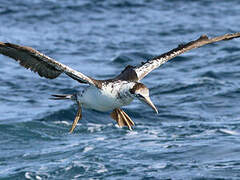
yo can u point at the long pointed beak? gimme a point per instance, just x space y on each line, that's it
148 101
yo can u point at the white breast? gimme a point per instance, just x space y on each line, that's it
111 96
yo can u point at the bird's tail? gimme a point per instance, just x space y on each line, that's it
63 96
74 98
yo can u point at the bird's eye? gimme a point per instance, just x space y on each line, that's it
139 95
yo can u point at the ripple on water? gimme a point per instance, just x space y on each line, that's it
195 134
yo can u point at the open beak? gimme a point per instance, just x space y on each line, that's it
148 101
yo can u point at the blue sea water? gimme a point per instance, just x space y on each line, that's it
196 133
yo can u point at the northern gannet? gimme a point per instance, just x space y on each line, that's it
103 95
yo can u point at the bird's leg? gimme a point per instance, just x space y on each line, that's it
77 118
122 118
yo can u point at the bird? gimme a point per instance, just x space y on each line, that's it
108 95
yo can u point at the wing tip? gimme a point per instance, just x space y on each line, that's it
3 44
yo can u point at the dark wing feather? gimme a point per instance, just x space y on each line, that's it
42 64
128 74
154 63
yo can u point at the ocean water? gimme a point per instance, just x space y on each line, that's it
196 133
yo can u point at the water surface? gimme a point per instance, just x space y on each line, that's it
194 136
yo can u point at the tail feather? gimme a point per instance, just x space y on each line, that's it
63 96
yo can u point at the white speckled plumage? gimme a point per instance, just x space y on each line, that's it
112 95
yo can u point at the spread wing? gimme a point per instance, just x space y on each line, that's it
42 64
148 66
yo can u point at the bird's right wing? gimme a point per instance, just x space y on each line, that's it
142 70
42 64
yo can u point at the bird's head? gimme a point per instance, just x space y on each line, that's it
141 92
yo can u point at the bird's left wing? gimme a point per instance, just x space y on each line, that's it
42 64
142 70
